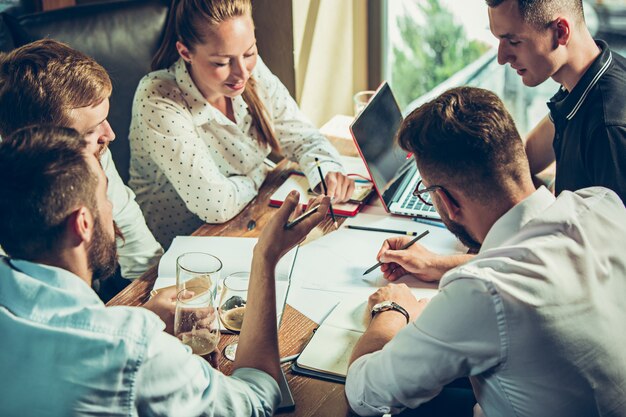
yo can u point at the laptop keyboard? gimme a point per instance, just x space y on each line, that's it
414 203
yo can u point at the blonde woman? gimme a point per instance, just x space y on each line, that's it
206 118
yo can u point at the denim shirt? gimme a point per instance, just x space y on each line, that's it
64 353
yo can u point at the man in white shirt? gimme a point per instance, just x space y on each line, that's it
47 82
64 353
536 318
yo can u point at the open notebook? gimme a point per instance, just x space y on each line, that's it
236 256
328 352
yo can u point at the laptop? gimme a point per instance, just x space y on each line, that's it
394 175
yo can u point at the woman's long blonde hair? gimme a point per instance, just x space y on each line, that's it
187 23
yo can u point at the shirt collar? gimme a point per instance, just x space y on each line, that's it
514 219
201 111
61 286
566 104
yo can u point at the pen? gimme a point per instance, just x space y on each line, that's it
376 229
332 213
402 248
301 217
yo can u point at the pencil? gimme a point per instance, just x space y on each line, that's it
376 229
301 217
332 213
402 248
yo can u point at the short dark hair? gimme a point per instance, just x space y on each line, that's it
41 82
45 177
539 13
467 139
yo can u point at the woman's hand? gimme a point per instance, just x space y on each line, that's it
340 187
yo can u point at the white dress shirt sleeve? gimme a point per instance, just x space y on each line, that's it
170 139
456 335
299 139
174 382
139 250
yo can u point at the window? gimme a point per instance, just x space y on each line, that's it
434 45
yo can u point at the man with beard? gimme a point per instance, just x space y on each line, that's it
47 82
64 353
535 319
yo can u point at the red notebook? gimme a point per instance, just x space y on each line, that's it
299 182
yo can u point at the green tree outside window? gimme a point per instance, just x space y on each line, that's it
430 52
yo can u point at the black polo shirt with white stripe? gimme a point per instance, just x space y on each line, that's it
590 124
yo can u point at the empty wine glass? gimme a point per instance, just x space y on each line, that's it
195 320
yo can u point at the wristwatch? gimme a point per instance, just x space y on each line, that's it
389 305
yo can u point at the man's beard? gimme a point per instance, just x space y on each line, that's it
102 255
461 232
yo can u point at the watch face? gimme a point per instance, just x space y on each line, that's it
385 305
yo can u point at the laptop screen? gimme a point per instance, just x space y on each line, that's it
374 130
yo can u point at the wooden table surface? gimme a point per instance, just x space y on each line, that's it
313 397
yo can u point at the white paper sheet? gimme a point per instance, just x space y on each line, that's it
336 262
439 240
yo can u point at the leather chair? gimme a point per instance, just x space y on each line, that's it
122 36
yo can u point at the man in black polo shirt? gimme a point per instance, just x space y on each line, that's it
586 129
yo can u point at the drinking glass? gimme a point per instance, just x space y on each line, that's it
195 320
233 306
198 269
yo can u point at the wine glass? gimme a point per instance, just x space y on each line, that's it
233 306
195 320
198 269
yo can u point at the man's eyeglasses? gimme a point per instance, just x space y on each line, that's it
420 190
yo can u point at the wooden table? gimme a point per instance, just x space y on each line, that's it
313 397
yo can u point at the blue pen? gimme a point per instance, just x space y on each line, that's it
429 222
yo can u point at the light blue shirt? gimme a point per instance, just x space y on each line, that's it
64 353
536 319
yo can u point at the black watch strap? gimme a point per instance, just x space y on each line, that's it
393 306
